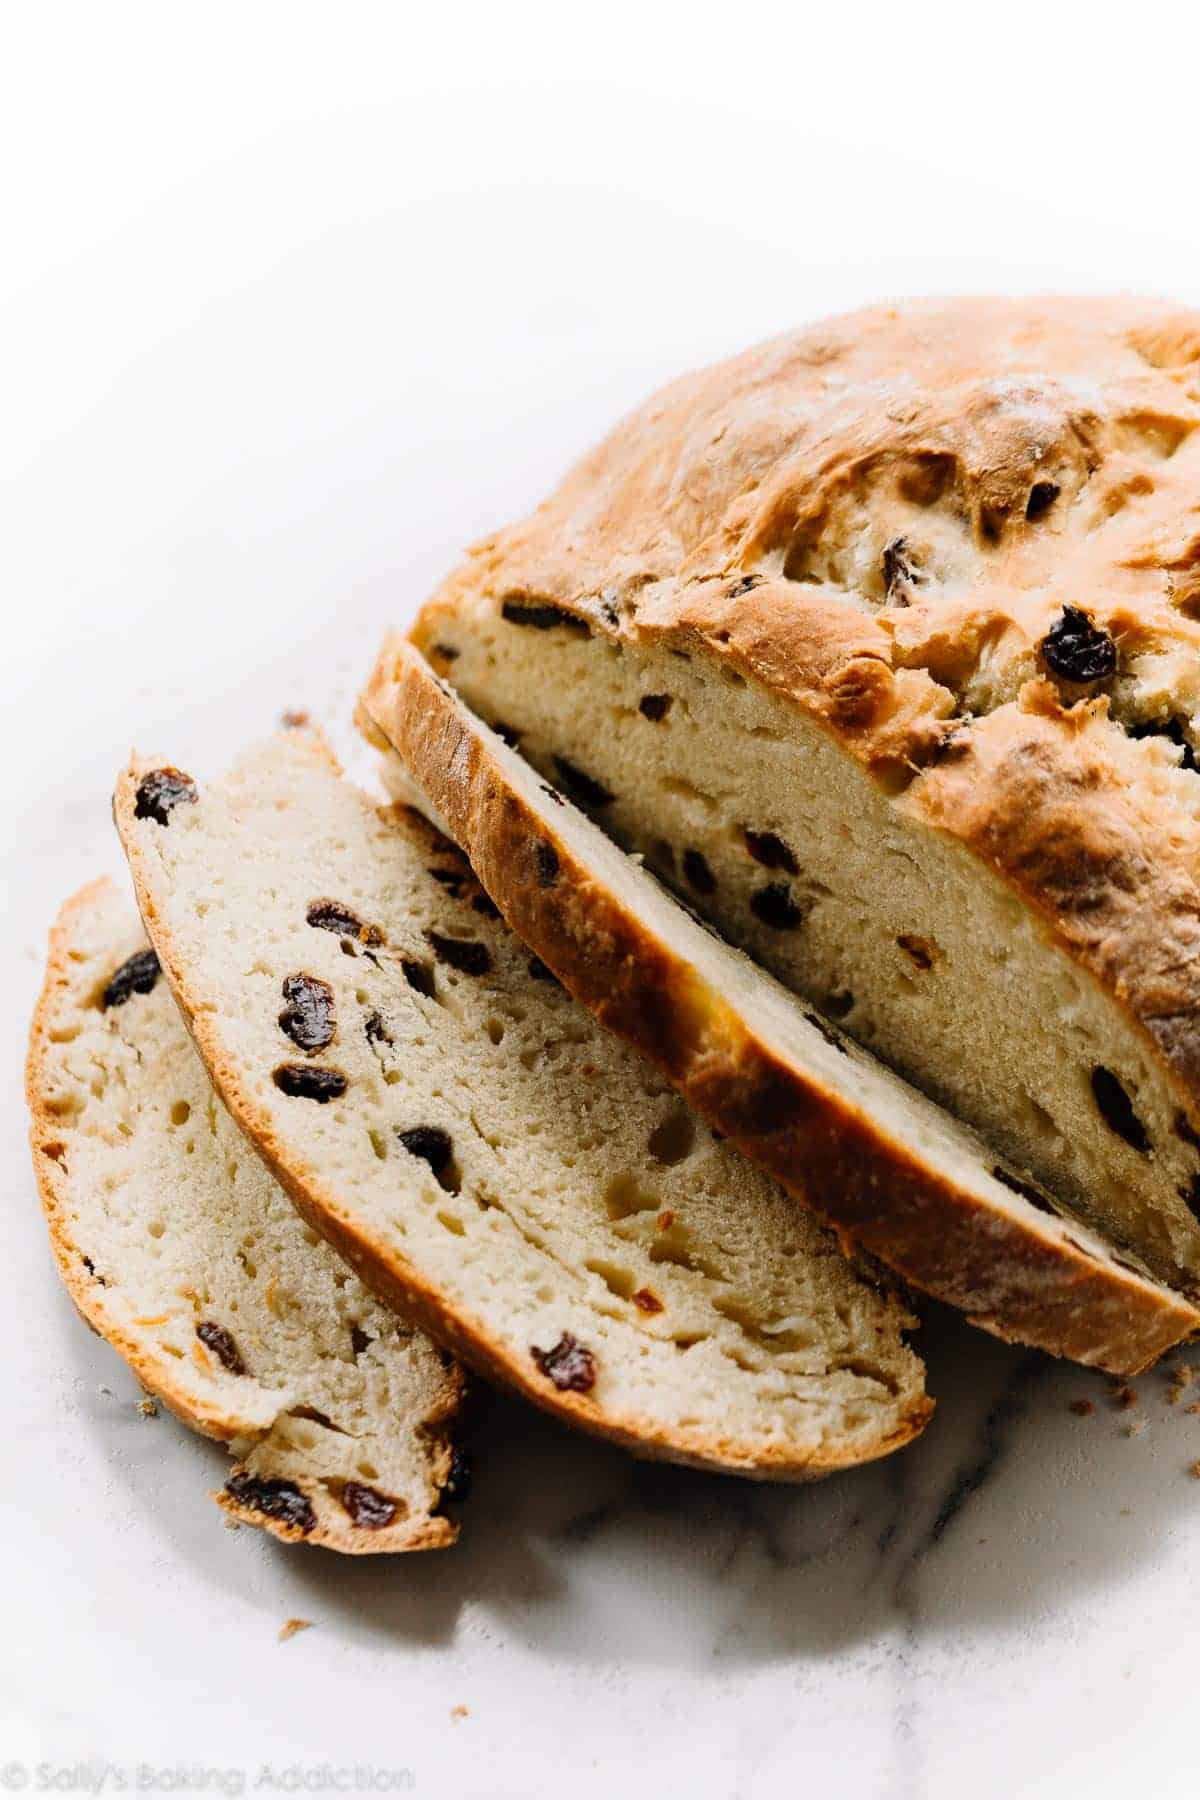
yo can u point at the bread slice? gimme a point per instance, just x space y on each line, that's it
882 643
176 1246
481 1151
846 1135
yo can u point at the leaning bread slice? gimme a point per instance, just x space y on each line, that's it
176 1246
847 1136
481 1150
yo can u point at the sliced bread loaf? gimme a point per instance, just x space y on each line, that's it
849 1137
176 1246
881 642
481 1150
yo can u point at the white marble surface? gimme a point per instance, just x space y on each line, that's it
292 304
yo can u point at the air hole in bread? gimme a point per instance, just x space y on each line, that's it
1026 1189
919 951
495 1029
654 706
674 1139
378 1143
769 850
624 1196
776 906
156 1228
452 1223
1116 1109
1042 496
697 873
618 1280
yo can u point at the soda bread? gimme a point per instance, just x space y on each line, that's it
882 643
176 1246
481 1151
849 1137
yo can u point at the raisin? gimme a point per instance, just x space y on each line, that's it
457 1484
743 585
769 850
547 864
220 1342
543 617
304 1081
569 1365
368 1508
308 1018
419 978
280 1500
447 652
360 1340
1077 650
331 915
1026 1189
136 976
647 1302
539 971
160 792
1042 496
654 706
1173 731
508 734
583 788
827 1032
461 953
775 907
375 1029
431 1144
1116 1109
697 873
900 571
484 906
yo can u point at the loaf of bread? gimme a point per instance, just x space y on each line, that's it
846 1135
882 644
482 1151
176 1246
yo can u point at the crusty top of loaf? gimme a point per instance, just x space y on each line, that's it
882 518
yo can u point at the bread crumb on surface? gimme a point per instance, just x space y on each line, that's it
1124 1397
1193 1408
460 1712
1195 1470
1135 1428
1081 1408
148 1408
1181 1380
290 1627
295 718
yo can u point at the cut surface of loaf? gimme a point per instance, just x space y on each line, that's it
479 1148
848 1136
178 1247
882 644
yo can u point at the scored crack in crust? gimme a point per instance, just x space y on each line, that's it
485 1154
915 595
848 1137
177 1247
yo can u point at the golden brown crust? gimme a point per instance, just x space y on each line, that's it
158 1374
1025 456
381 1265
1020 1280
